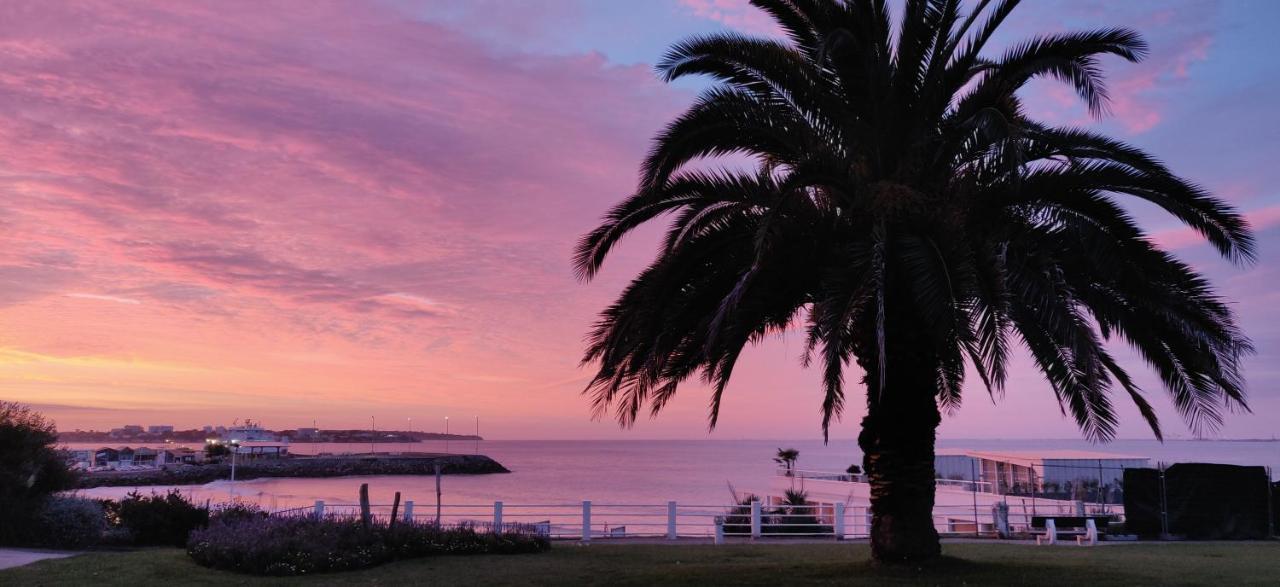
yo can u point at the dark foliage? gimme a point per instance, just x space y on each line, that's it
301 545
789 518
31 470
65 522
229 513
158 519
30 466
216 450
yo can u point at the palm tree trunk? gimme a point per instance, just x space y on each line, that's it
897 442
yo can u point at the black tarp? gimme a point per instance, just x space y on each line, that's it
1142 502
1204 501
1275 508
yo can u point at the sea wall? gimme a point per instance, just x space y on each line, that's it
335 466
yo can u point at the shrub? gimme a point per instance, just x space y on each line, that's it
68 522
796 516
236 511
160 520
738 520
299 545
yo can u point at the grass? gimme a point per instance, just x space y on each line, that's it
617 565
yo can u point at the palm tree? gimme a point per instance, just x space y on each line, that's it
787 458
908 213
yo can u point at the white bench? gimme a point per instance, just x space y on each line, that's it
1050 536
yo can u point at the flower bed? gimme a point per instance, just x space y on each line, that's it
300 545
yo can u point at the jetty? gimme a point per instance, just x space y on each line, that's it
298 466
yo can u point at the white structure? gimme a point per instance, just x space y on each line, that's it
249 432
1006 470
260 448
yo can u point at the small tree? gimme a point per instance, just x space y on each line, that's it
787 458
30 466
215 450
30 470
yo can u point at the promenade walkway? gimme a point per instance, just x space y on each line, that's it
16 557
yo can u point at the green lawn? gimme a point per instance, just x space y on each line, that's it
985 564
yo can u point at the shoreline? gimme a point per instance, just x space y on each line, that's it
297 467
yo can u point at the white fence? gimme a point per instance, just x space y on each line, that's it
586 520
979 486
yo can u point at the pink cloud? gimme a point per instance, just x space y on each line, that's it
735 14
344 181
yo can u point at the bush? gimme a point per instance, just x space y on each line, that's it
68 522
298 545
235 512
160 520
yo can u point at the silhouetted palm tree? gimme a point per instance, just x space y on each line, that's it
908 210
787 458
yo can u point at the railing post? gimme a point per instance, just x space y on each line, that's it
1000 519
719 530
497 517
671 520
838 526
755 518
586 520
408 510
319 512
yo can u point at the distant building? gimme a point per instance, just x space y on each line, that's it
145 457
308 432
125 431
1007 471
261 449
105 456
159 429
180 456
249 432
208 429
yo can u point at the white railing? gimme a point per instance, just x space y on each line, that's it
587 520
812 475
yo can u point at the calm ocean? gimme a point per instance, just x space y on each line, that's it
644 471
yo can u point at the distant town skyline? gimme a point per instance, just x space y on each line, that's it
366 209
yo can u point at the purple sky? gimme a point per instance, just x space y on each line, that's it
329 210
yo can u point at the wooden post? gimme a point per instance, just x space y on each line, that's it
437 494
319 511
408 511
497 517
395 510
837 526
586 520
365 515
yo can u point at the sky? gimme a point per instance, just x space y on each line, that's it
327 211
